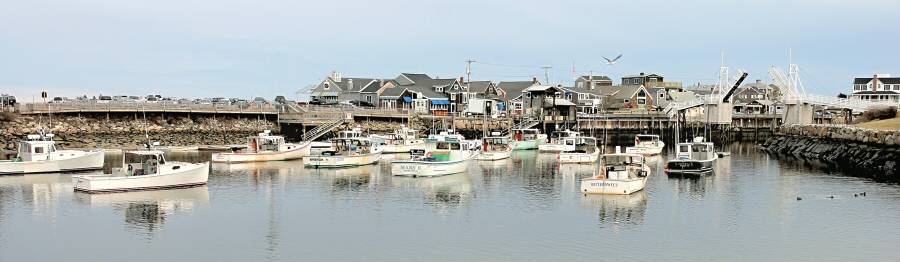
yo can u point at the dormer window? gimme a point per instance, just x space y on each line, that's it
439 89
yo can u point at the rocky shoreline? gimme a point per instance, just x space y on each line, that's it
127 132
855 151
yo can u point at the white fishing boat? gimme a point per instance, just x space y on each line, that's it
620 174
317 147
585 152
558 143
401 141
495 148
144 170
697 157
355 132
265 147
447 135
38 154
346 152
648 145
528 138
447 157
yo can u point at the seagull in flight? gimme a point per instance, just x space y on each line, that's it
612 61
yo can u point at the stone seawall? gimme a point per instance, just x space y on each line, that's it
855 151
124 131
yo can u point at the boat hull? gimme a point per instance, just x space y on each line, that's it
66 161
341 161
612 187
493 155
394 149
296 153
428 169
188 174
527 144
641 150
689 167
578 158
554 148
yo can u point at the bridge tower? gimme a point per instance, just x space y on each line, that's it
797 109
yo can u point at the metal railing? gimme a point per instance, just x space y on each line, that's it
322 129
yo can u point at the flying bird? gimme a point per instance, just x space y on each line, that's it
612 61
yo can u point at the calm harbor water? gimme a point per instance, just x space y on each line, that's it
525 208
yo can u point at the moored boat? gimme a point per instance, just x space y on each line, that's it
144 170
528 138
585 151
447 157
693 158
557 142
648 145
38 154
346 152
495 148
620 174
447 135
401 141
264 147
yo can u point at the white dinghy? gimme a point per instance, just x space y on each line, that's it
144 170
620 174
265 147
38 154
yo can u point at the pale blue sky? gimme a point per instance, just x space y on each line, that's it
243 48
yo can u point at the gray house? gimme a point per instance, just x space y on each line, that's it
336 88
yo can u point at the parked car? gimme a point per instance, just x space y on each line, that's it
280 100
361 104
104 99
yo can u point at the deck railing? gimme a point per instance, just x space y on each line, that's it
94 106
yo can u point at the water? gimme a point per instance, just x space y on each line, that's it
525 208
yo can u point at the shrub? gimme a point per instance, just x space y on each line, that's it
877 114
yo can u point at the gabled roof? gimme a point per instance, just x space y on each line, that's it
427 91
358 83
478 86
617 92
890 80
393 92
646 75
515 88
861 80
414 78
372 88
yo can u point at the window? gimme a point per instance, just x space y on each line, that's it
662 95
39 150
896 87
627 100
642 101
369 99
580 85
569 96
439 89
327 86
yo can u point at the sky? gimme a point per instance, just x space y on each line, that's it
249 48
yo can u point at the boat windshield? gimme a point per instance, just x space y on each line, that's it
622 160
643 138
447 146
142 164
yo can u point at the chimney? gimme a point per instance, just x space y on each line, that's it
335 76
875 82
534 80
349 84
462 80
759 81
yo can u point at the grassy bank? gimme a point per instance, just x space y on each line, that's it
886 124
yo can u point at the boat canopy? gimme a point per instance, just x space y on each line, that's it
647 138
622 159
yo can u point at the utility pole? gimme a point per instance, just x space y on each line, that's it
468 74
546 74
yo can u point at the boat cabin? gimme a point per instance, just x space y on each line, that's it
582 144
265 142
697 150
352 133
645 138
36 148
407 133
140 163
525 134
623 166
564 133
350 147
495 143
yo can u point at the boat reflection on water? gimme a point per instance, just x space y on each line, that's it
618 210
443 192
494 168
350 179
271 167
147 211
571 175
